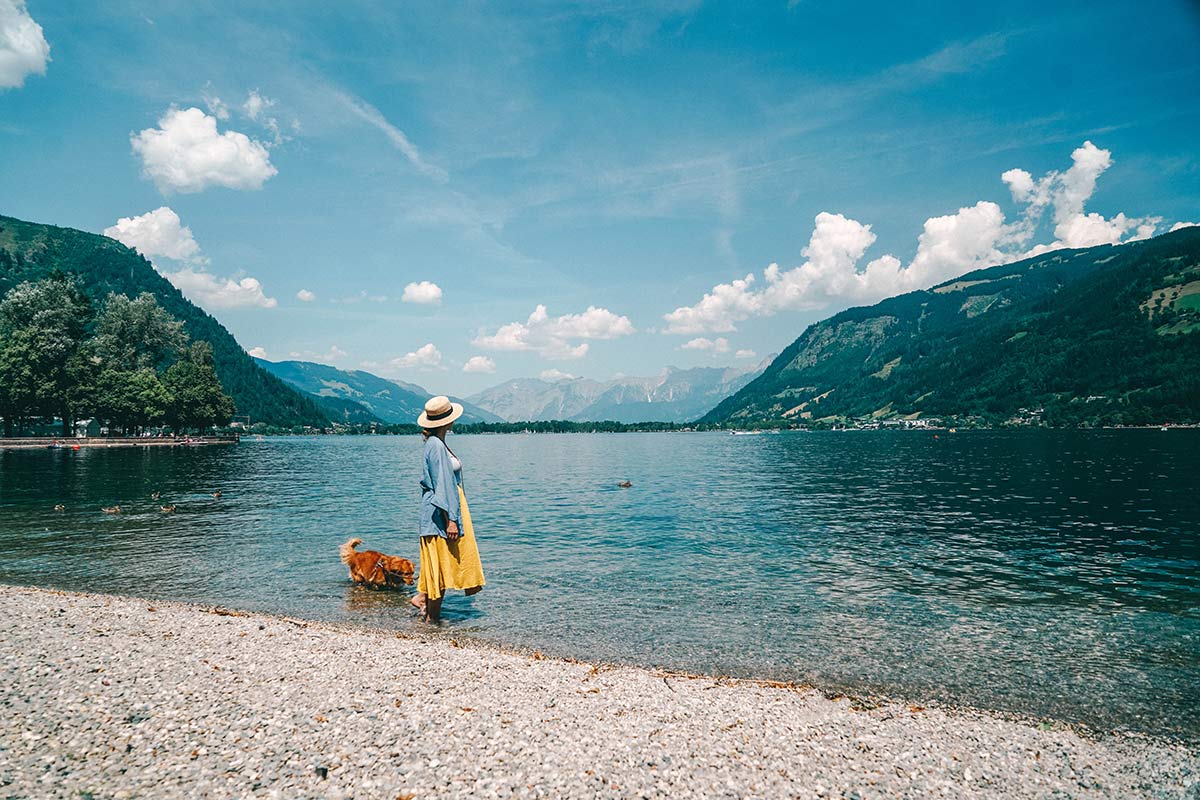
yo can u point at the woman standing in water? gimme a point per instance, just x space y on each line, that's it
449 557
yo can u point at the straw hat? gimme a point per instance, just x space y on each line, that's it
439 412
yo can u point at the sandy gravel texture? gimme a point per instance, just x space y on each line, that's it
107 697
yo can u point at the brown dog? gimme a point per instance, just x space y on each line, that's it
374 569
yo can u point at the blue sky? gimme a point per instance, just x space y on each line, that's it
591 188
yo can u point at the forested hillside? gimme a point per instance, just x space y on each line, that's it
29 252
1104 335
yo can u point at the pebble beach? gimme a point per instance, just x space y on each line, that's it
113 697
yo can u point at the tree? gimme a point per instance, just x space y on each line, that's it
44 367
197 397
131 398
134 340
137 334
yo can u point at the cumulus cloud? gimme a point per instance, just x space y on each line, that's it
1065 194
1178 226
424 357
553 375
185 153
160 234
745 354
974 236
157 233
424 293
304 295
210 291
258 352
479 364
719 345
23 48
556 337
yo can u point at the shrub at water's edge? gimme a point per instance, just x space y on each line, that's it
102 266
1101 336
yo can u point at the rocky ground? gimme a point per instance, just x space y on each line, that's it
106 697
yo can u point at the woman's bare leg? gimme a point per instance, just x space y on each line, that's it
418 602
433 611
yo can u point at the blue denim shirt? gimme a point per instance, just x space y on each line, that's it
439 490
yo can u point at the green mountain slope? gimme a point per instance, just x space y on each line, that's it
1104 335
29 251
390 401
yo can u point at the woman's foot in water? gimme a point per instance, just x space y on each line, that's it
418 602
433 611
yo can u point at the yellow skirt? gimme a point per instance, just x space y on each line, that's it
450 565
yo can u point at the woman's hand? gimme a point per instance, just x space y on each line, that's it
451 531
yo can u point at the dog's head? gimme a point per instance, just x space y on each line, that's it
398 567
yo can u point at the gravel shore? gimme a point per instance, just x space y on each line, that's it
108 697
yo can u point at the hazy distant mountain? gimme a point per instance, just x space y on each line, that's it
390 401
1099 336
673 395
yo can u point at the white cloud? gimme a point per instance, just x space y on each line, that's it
23 48
424 357
211 292
362 295
479 364
554 337
719 345
1178 226
185 153
256 108
256 104
556 375
424 293
157 233
216 106
305 295
717 310
745 354
258 352
973 237
1067 193
161 234
397 137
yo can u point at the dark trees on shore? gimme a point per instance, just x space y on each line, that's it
132 365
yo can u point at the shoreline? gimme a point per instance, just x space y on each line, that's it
122 697
64 443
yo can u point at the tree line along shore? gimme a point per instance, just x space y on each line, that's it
128 364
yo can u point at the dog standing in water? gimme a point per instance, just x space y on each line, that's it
374 569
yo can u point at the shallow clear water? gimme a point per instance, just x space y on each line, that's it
1042 572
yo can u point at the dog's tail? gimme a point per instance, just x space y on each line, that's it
346 550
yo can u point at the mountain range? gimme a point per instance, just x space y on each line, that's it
1102 335
1096 336
358 396
673 395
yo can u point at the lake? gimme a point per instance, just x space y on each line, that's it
1043 572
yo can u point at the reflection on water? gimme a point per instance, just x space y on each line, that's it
1046 572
